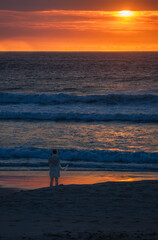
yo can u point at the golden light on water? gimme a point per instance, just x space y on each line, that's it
126 180
33 180
126 13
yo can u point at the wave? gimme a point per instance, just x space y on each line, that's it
24 166
80 117
109 99
39 156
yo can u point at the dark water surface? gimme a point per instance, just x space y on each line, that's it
98 109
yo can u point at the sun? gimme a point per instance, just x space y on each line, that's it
125 13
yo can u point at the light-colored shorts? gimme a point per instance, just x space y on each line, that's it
54 172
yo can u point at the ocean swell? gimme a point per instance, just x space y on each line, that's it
80 117
109 99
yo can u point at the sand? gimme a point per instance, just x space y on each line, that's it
111 210
6 191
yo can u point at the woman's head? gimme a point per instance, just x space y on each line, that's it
54 151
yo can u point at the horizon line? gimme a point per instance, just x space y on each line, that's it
84 51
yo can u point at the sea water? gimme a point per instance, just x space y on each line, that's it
98 109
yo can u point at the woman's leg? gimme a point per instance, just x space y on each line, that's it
56 181
51 181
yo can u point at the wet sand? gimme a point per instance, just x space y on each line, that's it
40 179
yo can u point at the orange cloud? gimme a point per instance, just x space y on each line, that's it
78 31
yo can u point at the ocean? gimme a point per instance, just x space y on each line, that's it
99 109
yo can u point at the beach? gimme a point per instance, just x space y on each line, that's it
109 210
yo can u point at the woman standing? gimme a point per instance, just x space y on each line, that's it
55 167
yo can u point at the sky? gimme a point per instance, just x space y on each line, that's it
78 25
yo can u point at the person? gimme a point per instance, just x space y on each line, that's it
55 167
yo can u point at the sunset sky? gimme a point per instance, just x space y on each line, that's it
79 25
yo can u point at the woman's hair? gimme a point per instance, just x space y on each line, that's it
54 151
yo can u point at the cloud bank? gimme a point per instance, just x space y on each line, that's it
84 5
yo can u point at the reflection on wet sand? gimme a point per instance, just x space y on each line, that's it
33 180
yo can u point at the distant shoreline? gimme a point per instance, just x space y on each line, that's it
78 51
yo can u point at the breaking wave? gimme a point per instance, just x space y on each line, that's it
75 155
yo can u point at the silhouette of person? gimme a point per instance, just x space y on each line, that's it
55 167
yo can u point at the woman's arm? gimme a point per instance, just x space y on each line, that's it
63 168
